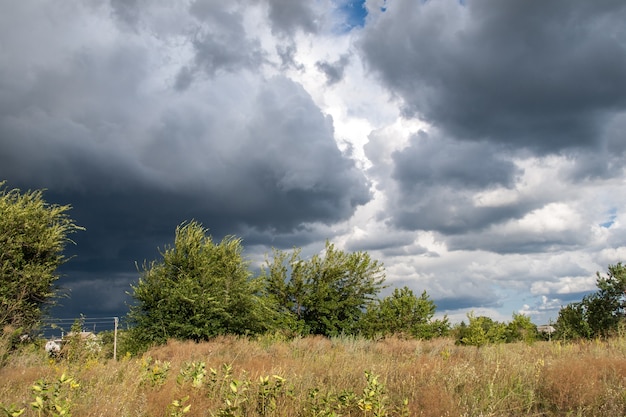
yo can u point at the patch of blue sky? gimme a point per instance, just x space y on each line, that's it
612 214
354 13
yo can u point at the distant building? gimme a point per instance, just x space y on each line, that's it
81 335
54 347
546 328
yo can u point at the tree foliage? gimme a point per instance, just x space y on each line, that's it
598 314
480 331
33 236
483 330
403 313
521 328
197 290
571 323
326 294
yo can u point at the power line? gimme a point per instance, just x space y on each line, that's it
52 326
61 324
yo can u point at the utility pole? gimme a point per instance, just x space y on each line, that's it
550 330
115 321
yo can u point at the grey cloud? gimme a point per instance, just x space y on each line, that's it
413 250
333 70
387 240
453 289
220 42
126 11
462 293
543 76
599 165
437 179
279 170
616 135
73 119
287 54
287 16
300 236
237 152
606 160
437 161
468 301
184 78
519 242
568 298
448 211
96 297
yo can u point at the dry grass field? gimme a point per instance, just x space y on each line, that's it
317 376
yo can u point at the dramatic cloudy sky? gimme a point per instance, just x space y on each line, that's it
475 147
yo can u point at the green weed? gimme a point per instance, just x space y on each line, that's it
193 372
53 399
177 408
154 371
11 410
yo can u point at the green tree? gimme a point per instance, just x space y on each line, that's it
326 294
403 313
33 236
598 314
520 328
605 308
571 323
199 289
480 331
284 291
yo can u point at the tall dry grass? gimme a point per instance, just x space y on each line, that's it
316 376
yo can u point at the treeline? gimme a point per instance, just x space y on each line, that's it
600 314
199 289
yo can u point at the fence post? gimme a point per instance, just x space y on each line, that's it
115 320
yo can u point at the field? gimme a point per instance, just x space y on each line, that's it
317 376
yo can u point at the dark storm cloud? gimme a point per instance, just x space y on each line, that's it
279 169
97 296
437 179
134 157
430 161
495 81
538 75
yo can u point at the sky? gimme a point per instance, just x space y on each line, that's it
476 148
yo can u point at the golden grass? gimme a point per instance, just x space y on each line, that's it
324 376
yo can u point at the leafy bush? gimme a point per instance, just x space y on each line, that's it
33 235
199 289
599 314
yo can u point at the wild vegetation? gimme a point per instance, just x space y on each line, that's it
599 314
33 236
304 337
322 376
